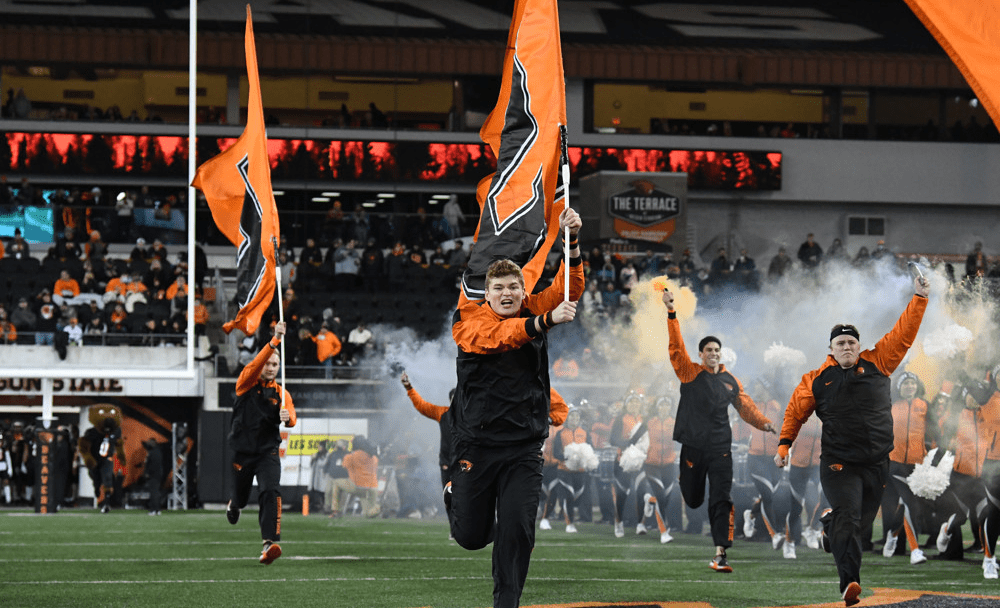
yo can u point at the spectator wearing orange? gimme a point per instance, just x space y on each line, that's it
2 250
66 288
327 347
565 367
362 478
8 333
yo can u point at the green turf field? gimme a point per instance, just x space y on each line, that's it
196 559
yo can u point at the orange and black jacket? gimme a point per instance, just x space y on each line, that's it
256 412
703 412
854 404
503 391
440 414
909 420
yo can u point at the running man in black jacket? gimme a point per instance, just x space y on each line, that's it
850 394
255 438
500 414
702 428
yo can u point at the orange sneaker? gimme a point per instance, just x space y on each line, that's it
851 594
271 552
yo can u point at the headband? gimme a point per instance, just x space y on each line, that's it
844 331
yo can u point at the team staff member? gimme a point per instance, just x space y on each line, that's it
500 414
850 394
702 428
255 437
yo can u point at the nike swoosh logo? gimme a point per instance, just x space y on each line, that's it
828 383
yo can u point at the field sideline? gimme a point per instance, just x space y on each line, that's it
81 558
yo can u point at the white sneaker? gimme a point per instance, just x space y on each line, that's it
648 509
776 540
748 524
812 537
890 545
544 524
917 557
665 537
640 528
619 529
570 529
990 567
943 537
788 551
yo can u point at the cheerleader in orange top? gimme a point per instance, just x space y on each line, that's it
909 420
803 468
574 479
658 478
991 478
765 476
628 433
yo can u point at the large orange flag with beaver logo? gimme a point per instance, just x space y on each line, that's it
237 186
969 31
519 219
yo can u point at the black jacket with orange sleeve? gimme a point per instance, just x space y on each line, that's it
854 404
703 412
503 391
255 423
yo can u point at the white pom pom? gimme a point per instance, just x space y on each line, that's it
779 356
580 457
947 341
632 459
928 481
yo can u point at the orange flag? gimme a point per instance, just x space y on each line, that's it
237 186
969 31
518 215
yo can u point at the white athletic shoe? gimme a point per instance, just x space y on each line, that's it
544 524
917 557
619 529
640 528
648 509
776 540
990 567
890 544
812 537
788 551
570 529
943 537
748 524
665 537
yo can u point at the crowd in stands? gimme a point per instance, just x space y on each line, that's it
79 295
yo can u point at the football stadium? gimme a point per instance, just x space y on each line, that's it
405 304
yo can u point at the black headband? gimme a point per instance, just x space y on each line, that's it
844 330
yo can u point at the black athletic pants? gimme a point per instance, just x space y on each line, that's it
267 468
696 465
495 492
855 493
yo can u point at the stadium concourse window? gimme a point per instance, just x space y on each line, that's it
668 109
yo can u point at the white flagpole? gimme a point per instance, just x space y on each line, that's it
281 315
192 169
564 161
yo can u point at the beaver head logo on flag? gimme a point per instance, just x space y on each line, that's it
237 186
518 214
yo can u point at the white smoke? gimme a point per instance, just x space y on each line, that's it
946 342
